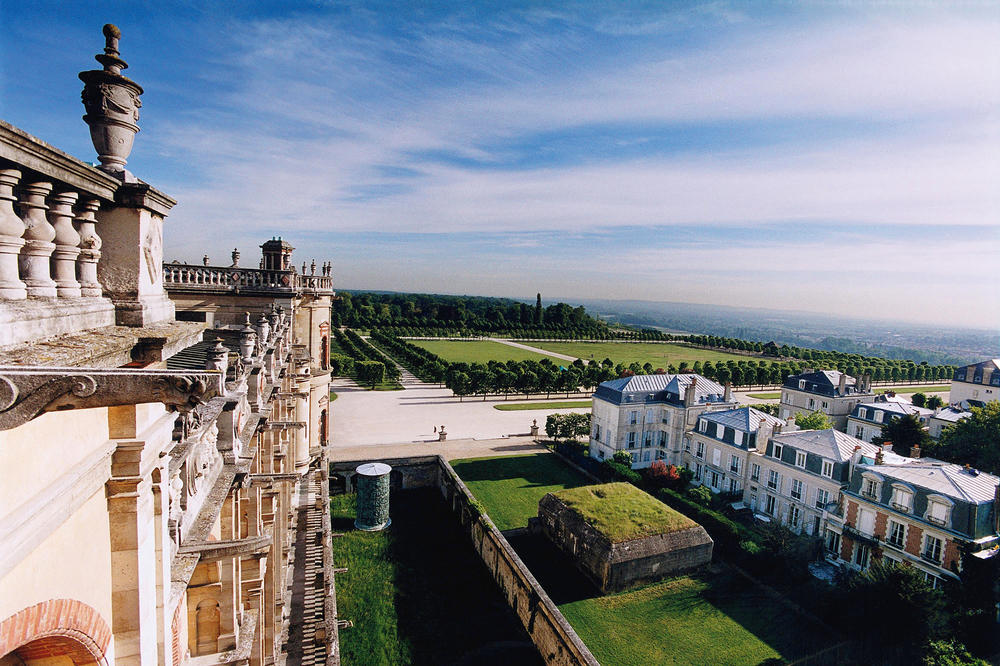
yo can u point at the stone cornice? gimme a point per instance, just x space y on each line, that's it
26 151
143 195
27 392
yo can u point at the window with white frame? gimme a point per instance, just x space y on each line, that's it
703 425
646 455
833 542
825 404
687 444
870 487
734 464
828 469
822 498
716 456
665 417
796 491
932 580
896 534
769 504
631 440
776 452
794 515
802 384
859 432
938 510
738 438
800 459
664 438
633 417
878 415
715 480
862 555
734 486
754 472
812 403
647 438
862 413
866 522
902 498
933 548
700 450
773 479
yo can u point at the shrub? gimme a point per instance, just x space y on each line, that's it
700 494
622 472
623 457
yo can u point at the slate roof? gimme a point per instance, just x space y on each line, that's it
659 388
943 478
824 382
831 444
892 407
967 373
952 415
746 419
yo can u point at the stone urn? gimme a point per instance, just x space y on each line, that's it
112 104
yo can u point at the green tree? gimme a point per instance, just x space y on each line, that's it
973 440
934 402
815 421
622 457
538 310
950 653
903 432
370 372
918 400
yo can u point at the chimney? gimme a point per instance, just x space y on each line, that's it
867 383
842 386
727 396
879 457
856 456
764 431
689 395
914 451
790 425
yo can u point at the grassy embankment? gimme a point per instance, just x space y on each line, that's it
709 618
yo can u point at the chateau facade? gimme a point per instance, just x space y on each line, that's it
161 461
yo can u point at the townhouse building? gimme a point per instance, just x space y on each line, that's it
829 391
867 419
796 479
976 384
718 449
943 418
923 512
648 415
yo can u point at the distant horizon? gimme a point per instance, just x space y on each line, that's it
821 157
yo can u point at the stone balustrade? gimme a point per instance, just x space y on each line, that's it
178 276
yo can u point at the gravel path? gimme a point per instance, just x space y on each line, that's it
537 350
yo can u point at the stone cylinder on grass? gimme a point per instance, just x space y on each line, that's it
373 497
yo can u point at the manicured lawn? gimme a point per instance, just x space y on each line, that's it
417 592
765 396
659 354
509 487
479 351
718 618
937 388
566 404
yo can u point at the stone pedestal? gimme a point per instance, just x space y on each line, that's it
11 230
67 244
131 268
38 245
373 497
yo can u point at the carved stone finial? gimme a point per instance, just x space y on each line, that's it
205 260
112 103
236 257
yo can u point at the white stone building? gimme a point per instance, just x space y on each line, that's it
975 385
648 415
867 419
831 392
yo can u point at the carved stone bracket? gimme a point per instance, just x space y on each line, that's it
26 391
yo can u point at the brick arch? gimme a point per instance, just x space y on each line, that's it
57 627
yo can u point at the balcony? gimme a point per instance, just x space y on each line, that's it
863 537
931 556
189 277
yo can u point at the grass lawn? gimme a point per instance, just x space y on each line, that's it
659 354
479 351
718 618
566 404
765 396
937 388
622 512
418 593
509 487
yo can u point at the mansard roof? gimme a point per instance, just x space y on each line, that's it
892 407
831 444
948 479
745 419
984 372
659 388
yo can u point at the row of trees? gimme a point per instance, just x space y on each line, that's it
361 359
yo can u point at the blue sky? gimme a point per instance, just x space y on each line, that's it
816 156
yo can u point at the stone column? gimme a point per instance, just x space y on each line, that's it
11 230
302 414
90 248
38 245
67 244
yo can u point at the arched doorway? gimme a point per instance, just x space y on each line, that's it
56 632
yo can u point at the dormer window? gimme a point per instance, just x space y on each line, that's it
871 486
703 425
902 498
862 413
802 385
828 469
878 415
938 510
800 459
777 451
